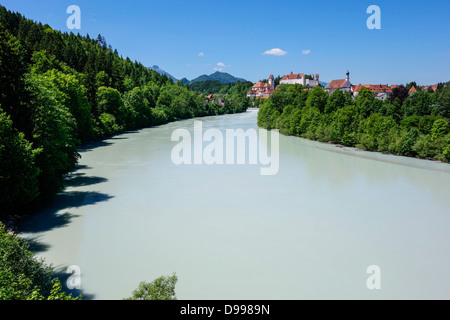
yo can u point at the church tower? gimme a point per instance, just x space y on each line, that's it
271 81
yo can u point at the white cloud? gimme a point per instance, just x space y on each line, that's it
306 51
221 64
275 52
218 69
201 54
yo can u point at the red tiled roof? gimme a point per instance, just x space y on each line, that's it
412 90
433 87
293 76
372 87
271 76
336 84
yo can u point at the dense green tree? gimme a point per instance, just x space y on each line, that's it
317 98
13 96
110 101
400 93
444 101
162 288
18 174
54 133
337 100
137 103
365 102
74 97
22 276
418 103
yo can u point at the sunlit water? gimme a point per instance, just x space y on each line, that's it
128 214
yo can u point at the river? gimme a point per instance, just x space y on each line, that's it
129 214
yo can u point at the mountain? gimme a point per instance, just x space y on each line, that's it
218 76
324 84
161 71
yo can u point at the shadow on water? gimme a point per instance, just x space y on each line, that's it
104 143
63 276
51 217
80 179
94 145
36 245
56 214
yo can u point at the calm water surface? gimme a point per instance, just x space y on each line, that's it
128 214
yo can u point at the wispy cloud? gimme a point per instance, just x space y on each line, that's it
218 69
201 54
221 64
306 51
275 52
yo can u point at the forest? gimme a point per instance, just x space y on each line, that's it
59 91
413 125
218 87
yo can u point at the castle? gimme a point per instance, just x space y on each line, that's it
265 90
310 81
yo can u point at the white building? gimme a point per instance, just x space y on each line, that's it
262 90
301 78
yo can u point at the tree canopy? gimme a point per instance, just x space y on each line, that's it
415 125
61 90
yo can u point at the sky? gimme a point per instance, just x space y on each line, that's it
253 39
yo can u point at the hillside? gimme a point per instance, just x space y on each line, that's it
218 76
162 72
215 86
59 91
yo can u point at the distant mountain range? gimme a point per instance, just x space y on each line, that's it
216 76
161 71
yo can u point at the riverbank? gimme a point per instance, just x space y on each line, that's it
310 231
13 221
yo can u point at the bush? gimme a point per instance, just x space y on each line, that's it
22 276
162 288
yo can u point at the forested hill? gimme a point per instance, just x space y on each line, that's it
214 86
60 90
218 76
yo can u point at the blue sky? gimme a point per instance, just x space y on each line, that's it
412 45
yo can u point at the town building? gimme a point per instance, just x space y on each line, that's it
265 90
412 90
262 90
300 78
433 87
341 84
381 91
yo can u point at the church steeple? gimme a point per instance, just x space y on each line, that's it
271 81
348 75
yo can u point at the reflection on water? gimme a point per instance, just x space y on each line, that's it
128 215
